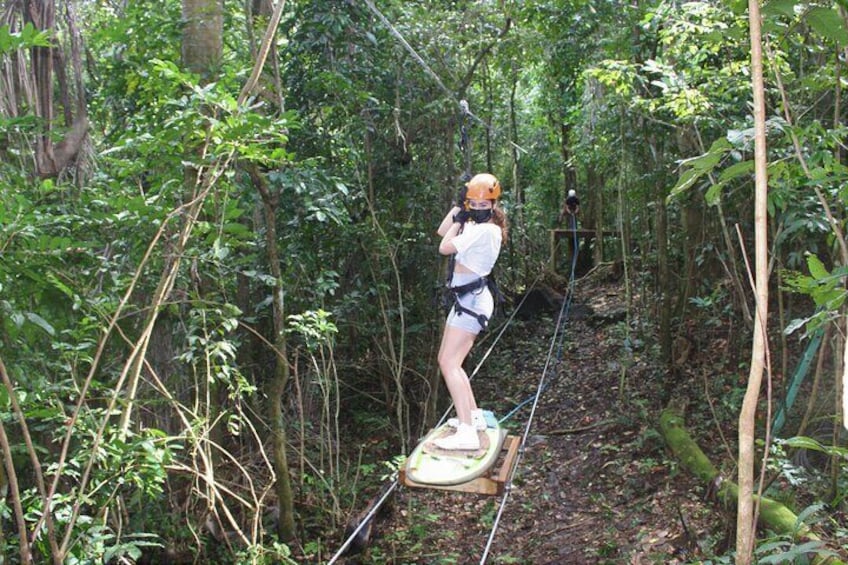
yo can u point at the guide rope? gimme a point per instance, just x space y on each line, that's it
557 339
365 521
564 313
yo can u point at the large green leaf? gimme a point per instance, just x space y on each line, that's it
700 166
829 24
730 173
780 7
817 268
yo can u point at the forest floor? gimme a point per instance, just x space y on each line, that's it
595 482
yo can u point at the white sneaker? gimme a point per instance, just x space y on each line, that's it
465 438
478 420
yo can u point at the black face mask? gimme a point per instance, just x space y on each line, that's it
480 216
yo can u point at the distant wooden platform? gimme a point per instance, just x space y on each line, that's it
493 483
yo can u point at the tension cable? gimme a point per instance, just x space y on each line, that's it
420 60
557 339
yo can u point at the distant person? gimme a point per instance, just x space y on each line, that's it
572 205
472 234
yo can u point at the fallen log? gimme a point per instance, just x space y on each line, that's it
772 515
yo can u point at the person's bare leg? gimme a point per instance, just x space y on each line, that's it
456 344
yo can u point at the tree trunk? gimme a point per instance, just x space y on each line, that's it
203 36
664 283
50 158
692 219
518 191
746 512
276 385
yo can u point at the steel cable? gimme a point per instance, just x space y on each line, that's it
558 333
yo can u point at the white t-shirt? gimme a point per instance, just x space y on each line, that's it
478 247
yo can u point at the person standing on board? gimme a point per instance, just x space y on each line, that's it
472 234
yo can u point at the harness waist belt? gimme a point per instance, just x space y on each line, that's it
464 289
469 287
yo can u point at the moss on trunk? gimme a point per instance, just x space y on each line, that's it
773 515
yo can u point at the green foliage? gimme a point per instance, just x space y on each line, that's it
273 554
314 327
790 551
26 38
123 45
810 443
133 468
826 289
823 21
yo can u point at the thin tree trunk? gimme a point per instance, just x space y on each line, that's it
518 191
276 385
10 479
664 284
264 49
52 158
746 511
692 220
839 403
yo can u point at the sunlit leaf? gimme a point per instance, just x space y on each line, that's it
40 322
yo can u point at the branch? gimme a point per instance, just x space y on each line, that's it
26 553
466 80
263 52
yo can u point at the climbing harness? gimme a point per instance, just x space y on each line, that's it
453 294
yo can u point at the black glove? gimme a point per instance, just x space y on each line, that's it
461 216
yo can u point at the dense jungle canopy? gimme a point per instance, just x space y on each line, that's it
219 277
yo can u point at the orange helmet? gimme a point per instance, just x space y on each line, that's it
483 187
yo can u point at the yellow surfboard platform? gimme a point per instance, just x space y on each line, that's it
431 465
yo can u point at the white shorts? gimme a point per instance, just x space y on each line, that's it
479 301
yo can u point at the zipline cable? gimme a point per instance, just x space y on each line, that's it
462 103
558 334
409 48
567 307
364 522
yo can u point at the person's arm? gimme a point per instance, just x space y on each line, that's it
447 222
447 246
